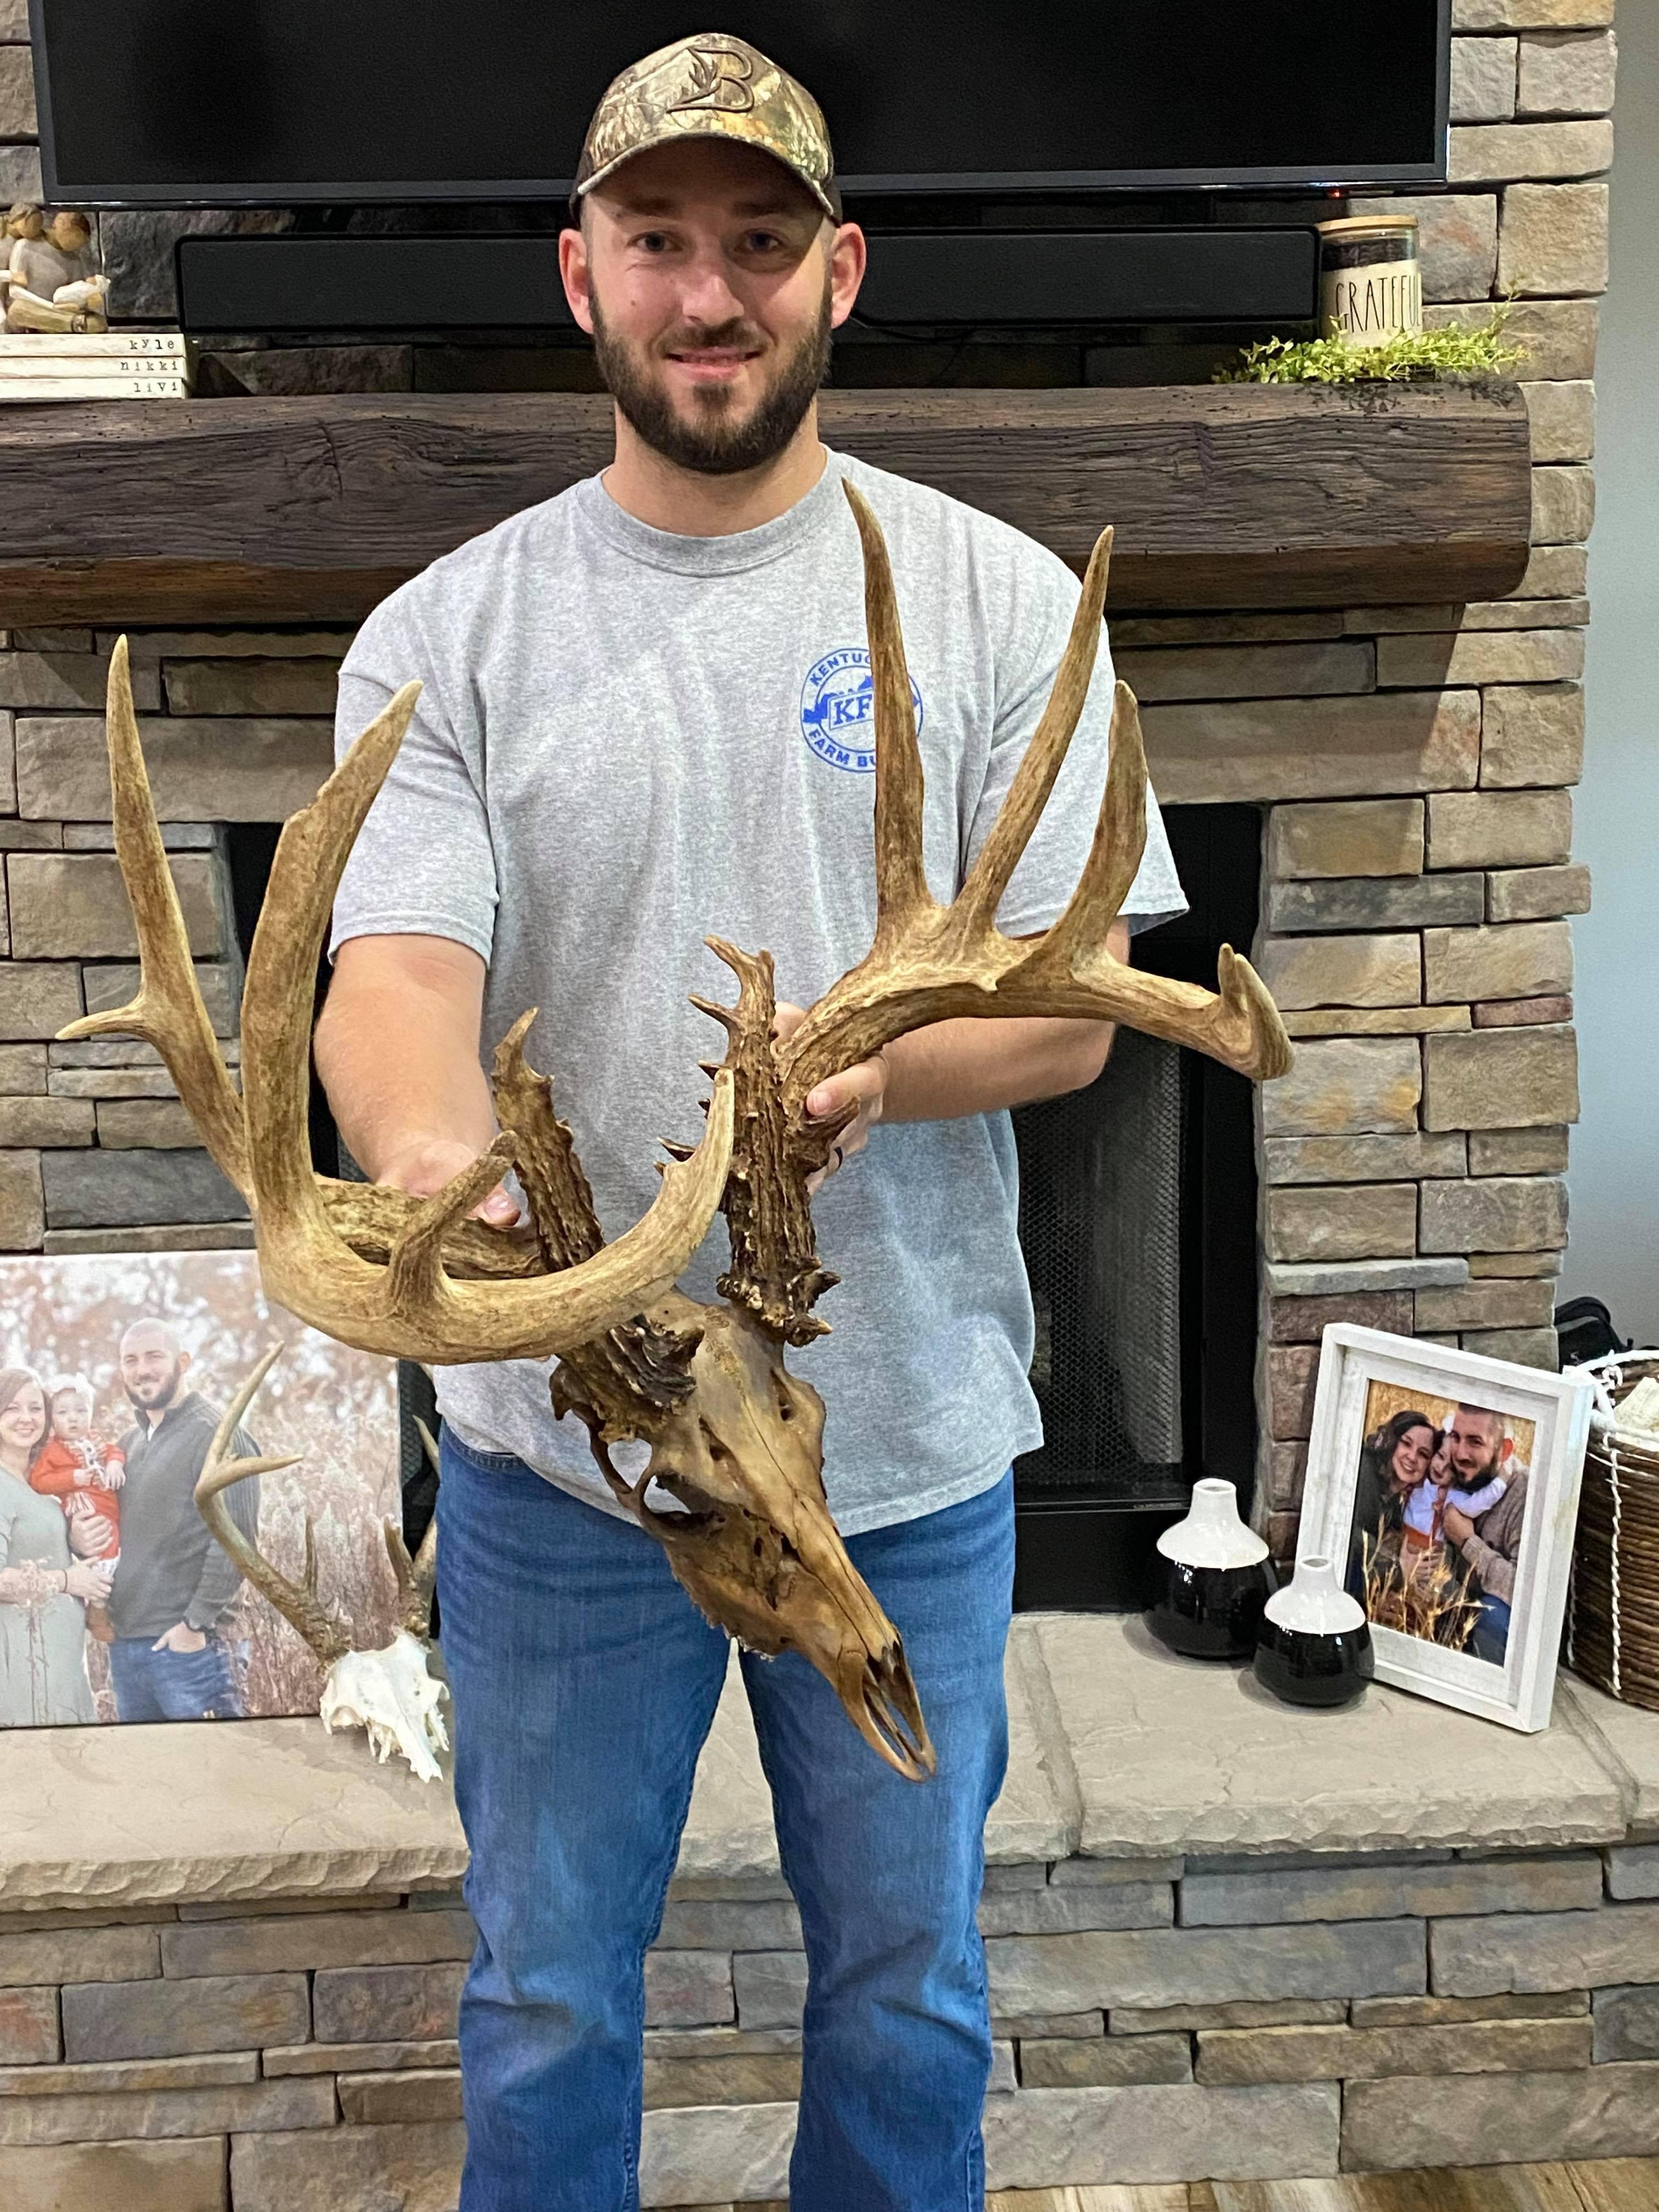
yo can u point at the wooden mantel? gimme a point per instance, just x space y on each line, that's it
296 510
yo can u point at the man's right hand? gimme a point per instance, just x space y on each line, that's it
424 1169
87 1583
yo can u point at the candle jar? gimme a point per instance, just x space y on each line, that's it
1371 286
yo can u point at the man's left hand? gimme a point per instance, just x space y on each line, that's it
181 1637
862 1085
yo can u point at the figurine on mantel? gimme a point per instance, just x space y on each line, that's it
52 281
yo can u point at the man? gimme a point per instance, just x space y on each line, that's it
620 748
174 1585
1490 1544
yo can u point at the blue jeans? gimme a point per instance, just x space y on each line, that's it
585 1682
173 1685
1490 1639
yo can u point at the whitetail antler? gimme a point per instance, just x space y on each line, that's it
408 1303
385 1689
929 962
298 1603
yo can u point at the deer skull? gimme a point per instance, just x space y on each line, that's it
389 1694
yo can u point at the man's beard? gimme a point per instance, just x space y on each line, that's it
719 444
146 1395
1483 1474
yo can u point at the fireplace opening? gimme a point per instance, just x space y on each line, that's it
1137 1218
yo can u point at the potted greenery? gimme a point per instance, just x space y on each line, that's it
1408 355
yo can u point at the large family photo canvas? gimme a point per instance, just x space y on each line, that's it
1445 1486
116 1604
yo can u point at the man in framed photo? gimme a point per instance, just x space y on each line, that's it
174 1587
1488 1544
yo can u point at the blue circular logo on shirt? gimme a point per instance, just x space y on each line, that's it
837 709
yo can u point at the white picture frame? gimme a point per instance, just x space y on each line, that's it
1517 1691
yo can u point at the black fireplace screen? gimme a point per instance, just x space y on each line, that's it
1100 1223
1138 1222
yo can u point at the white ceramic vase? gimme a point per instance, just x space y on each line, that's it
1215 1579
1313 1645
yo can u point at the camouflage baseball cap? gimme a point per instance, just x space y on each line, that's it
711 86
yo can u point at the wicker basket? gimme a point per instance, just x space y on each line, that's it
1613 1621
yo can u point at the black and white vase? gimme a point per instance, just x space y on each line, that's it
1216 1579
1315 1644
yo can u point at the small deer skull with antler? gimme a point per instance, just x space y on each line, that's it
733 1437
383 1689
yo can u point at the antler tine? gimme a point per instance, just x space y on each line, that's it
416 1577
300 1606
429 1445
901 881
167 1012
415 1268
1119 841
411 1308
975 906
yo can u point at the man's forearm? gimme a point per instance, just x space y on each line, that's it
979 1067
387 1060
1497 1573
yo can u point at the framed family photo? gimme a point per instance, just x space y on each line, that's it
116 1602
1445 1487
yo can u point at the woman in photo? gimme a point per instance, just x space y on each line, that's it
43 1589
1393 1460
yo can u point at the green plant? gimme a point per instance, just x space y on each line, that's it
1409 354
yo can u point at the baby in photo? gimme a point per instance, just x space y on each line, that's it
1425 1506
83 1470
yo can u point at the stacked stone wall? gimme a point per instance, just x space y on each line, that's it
1418 872
1155 2020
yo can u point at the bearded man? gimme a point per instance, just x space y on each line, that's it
646 718
174 1585
1489 1545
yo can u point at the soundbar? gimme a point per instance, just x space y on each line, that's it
1060 276
1038 278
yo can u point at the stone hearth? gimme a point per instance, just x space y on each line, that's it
1227 1939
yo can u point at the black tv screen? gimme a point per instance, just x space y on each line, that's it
177 103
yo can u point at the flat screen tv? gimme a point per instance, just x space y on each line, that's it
179 103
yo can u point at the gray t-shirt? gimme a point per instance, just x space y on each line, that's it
631 740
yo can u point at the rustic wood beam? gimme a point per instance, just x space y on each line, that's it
310 510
